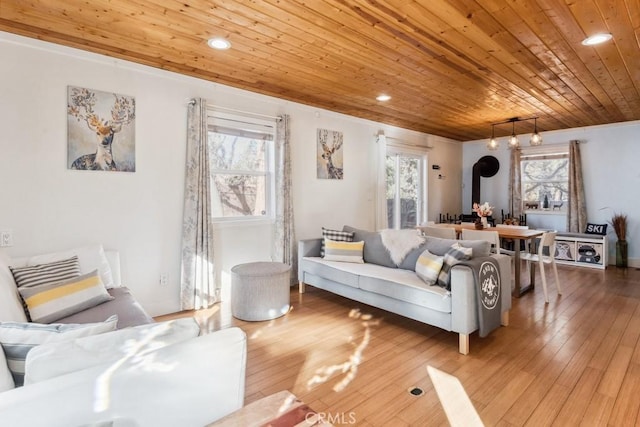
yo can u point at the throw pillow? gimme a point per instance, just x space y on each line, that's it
43 274
17 339
89 257
50 302
600 229
343 251
428 267
335 235
453 256
55 359
374 250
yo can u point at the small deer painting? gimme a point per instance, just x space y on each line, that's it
329 154
94 120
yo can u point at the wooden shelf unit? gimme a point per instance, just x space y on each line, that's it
584 250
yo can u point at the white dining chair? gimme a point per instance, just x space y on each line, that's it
520 227
441 232
489 236
542 257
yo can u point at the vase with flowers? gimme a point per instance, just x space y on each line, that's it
483 210
619 224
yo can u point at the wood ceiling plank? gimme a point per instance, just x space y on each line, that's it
452 66
607 62
448 35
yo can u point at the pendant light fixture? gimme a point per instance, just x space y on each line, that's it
493 143
513 139
536 138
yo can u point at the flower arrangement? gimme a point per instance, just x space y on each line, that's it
483 210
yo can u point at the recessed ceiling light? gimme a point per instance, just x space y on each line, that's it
597 39
219 43
383 98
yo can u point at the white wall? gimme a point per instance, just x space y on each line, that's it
49 207
611 175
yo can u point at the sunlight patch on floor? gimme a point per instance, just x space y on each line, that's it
454 399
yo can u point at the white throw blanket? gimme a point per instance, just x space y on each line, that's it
400 242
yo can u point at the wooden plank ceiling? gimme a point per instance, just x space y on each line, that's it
452 67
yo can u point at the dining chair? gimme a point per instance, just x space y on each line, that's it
510 250
489 236
441 232
542 257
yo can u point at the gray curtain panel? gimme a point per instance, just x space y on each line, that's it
284 242
577 209
515 185
197 281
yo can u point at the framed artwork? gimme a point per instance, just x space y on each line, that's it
329 160
100 130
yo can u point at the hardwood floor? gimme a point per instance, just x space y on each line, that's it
575 361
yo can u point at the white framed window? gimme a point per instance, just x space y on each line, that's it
544 175
241 166
406 187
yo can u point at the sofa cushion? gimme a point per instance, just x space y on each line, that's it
336 236
17 339
89 257
124 305
341 272
454 255
374 250
49 302
46 273
405 286
11 309
343 251
428 267
55 359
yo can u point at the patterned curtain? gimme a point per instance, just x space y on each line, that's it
515 185
197 282
382 219
284 242
577 209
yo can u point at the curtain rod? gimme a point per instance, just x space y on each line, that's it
216 107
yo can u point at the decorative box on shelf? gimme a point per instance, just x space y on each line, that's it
585 250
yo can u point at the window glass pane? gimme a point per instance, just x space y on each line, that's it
545 177
409 187
238 195
232 152
403 190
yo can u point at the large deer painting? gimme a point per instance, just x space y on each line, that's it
101 130
329 154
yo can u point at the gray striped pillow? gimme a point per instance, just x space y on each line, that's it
17 339
45 274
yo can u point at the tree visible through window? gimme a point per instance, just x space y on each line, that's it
545 176
240 172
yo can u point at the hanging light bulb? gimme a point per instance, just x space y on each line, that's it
536 138
513 139
493 143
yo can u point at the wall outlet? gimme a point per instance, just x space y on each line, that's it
6 238
164 279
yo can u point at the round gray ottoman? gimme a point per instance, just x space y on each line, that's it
259 290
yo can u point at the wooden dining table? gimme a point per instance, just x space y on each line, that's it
518 235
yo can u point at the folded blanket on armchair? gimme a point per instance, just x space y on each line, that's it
486 275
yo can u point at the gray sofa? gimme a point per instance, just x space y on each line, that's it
396 288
